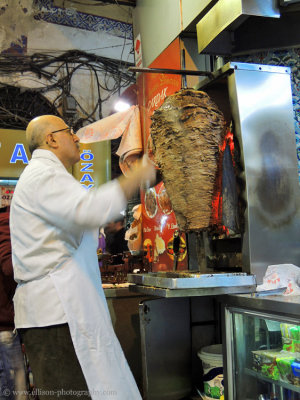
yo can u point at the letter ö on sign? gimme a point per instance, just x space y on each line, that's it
87 155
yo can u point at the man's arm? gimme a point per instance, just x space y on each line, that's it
143 174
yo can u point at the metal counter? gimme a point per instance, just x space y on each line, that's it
119 292
172 284
283 305
171 293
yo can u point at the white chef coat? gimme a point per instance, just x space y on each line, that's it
54 225
50 211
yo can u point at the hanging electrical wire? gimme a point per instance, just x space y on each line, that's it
55 73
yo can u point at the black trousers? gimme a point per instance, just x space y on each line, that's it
54 364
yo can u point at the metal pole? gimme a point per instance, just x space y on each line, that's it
171 71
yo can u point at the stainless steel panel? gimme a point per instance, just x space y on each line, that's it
260 101
261 104
228 361
228 14
171 280
172 293
124 312
289 306
192 8
166 348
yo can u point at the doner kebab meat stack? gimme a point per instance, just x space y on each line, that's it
187 132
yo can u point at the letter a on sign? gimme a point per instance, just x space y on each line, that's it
19 154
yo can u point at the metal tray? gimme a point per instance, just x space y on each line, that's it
187 280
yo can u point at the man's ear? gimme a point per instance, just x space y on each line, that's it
50 141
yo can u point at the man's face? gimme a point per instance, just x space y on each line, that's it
68 143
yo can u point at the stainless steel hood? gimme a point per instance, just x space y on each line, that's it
239 26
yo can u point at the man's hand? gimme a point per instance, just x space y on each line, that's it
142 175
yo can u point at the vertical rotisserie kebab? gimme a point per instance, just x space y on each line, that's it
187 133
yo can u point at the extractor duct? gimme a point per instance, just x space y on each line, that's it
240 26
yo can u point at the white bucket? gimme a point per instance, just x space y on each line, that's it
212 362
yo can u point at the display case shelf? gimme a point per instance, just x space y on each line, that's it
282 384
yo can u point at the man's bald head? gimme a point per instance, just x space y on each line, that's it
39 127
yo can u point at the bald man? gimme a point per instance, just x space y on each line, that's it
60 307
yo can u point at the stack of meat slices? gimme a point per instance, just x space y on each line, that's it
187 133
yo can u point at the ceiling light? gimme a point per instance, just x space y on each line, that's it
121 106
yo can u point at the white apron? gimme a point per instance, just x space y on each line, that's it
78 284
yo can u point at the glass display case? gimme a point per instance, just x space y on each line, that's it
261 347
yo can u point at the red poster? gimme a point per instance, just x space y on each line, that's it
159 222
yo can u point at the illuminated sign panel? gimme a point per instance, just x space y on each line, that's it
92 170
14 153
94 167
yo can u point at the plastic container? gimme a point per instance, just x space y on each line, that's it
212 362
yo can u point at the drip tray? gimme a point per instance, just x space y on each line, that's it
188 280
